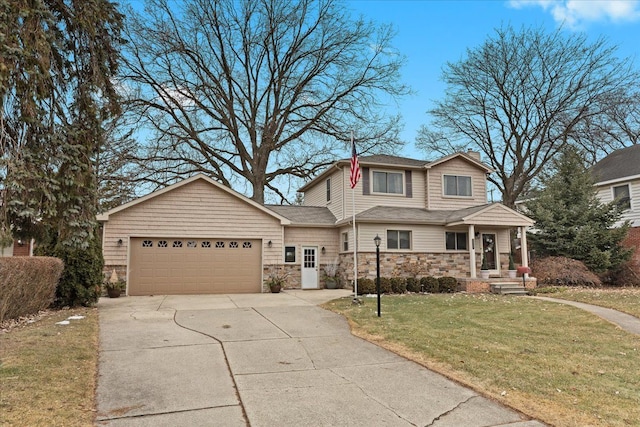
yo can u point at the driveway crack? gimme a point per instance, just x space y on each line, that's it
226 361
451 410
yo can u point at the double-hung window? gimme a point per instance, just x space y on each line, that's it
345 242
455 185
398 239
456 241
387 182
622 196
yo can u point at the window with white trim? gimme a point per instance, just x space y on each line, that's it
388 182
455 185
398 239
456 241
622 196
345 241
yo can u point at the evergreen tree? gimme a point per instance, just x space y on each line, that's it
572 222
57 64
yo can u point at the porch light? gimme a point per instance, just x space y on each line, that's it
323 250
119 242
377 241
269 243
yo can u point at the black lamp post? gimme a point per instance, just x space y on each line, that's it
377 241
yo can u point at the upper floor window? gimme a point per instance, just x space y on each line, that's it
455 185
387 182
329 190
622 196
398 239
456 241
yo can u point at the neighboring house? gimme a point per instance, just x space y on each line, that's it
198 236
617 177
19 248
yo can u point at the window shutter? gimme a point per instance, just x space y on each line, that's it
408 183
365 181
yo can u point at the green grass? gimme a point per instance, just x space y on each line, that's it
48 371
553 362
626 300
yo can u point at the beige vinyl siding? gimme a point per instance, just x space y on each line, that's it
605 193
308 236
317 195
424 238
198 210
498 215
363 202
459 167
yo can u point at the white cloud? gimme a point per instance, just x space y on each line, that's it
578 13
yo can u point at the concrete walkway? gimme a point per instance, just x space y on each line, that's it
625 321
265 360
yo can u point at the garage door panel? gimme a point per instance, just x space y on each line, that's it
194 266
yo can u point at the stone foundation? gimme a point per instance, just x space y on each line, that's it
474 286
121 271
294 275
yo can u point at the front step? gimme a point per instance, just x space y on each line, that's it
508 289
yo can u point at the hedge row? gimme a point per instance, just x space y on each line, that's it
400 285
27 285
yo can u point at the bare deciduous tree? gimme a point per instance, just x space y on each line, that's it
257 92
524 95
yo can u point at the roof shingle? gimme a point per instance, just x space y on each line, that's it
304 215
617 165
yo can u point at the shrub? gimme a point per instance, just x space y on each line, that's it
398 285
385 285
447 285
27 285
563 271
429 284
366 286
82 277
413 284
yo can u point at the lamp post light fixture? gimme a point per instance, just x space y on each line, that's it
377 241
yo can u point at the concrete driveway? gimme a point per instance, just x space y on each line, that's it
265 360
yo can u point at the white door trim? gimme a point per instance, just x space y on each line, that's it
494 249
309 267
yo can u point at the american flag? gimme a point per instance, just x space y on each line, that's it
355 174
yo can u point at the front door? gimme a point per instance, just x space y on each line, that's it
309 267
490 252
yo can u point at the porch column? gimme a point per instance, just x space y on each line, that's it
523 247
472 251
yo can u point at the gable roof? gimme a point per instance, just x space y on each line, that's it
105 216
396 162
482 214
305 215
618 166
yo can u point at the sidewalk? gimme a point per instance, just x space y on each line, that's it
625 321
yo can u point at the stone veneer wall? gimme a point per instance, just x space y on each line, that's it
405 265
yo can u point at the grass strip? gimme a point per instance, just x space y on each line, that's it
553 362
626 300
48 371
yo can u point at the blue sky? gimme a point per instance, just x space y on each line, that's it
431 33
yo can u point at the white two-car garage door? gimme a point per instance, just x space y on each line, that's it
171 266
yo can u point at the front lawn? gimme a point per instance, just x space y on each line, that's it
626 300
554 362
48 371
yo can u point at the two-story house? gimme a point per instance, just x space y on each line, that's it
198 236
617 177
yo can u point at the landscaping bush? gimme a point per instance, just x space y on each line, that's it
447 285
385 285
398 285
366 286
413 284
628 275
82 277
563 271
429 284
27 285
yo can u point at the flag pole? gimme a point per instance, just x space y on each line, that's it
355 244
